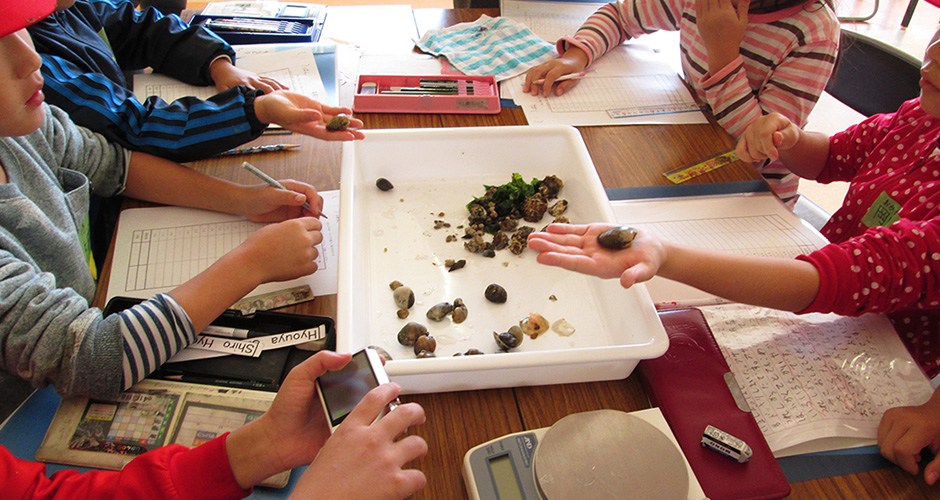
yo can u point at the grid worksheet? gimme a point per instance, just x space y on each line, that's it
170 256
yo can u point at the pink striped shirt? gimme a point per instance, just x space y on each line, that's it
785 61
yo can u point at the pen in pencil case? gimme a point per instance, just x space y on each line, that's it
258 149
570 76
271 182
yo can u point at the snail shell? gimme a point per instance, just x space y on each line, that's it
404 297
425 343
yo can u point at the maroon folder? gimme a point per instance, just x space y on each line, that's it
688 384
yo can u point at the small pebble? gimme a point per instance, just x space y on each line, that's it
383 184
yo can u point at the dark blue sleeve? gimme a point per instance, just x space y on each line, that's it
165 43
184 130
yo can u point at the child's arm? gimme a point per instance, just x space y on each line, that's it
778 283
610 26
226 75
277 252
293 432
906 430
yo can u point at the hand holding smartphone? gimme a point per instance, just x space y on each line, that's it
340 391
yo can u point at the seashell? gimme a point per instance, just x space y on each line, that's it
382 352
460 314
495 293
425 343
404 297
440 311
338 122
410 332
563 328
534 325
617 238
509 339
384 184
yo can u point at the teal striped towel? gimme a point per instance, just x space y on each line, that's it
489 46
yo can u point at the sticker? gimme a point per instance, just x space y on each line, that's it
883 212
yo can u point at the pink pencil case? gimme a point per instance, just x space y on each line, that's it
426 94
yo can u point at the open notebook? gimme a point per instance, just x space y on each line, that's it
814 382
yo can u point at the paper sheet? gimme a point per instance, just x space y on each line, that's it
158 249
296 68
744 223
816 376
631 84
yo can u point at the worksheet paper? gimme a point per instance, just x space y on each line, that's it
295 67
158 249
631 84
816 382
743 223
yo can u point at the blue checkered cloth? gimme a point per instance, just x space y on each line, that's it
495 46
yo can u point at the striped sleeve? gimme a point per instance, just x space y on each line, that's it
617 22
186 129
153 331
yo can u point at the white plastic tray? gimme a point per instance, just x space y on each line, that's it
387 236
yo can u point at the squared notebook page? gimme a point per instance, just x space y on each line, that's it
158 249
744 223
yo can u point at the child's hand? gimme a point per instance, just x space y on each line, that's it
299 113
291 432
904 431
365 461
282 251
574 60
766 137
264 203
226 75
722 29
575 247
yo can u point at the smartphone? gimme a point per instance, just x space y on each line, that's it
340 391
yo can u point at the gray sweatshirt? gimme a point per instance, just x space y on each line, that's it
48 332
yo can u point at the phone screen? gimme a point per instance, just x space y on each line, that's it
342 390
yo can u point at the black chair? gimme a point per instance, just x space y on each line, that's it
873 77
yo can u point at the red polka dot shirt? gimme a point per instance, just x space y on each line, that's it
885 251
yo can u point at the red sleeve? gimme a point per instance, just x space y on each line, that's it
168 473
886 269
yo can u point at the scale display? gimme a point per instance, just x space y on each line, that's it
604 454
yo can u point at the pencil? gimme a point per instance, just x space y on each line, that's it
258 149
271 182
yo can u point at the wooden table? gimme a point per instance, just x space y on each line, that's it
624 156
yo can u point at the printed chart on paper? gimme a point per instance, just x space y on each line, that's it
170 256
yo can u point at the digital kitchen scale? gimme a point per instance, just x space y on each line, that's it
601 455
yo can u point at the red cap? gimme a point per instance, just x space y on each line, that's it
18 14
